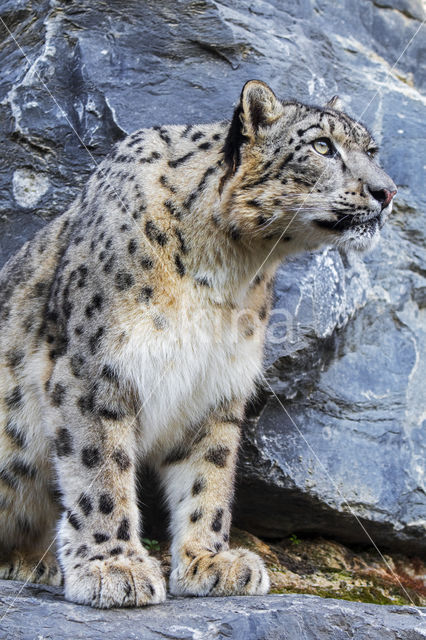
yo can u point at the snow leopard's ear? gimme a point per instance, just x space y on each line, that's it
334 103
259 108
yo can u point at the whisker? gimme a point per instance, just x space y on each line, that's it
341 219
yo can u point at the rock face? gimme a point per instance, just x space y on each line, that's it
36 612
335 443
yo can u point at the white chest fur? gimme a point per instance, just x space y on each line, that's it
197 359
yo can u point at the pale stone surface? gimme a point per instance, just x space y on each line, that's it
29 187
40 613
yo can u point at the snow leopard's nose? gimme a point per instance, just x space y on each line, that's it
384 196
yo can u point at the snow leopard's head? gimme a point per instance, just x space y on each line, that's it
303 175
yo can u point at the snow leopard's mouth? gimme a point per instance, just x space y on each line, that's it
346 221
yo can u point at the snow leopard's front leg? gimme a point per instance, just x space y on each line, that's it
103 560
198 479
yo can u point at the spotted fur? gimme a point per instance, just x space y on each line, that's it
132 327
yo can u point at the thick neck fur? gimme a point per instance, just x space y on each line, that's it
219 253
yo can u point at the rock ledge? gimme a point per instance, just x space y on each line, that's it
37 612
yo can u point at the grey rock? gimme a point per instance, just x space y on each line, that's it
347 361
40 613
336 444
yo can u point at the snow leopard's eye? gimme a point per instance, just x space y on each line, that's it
323 146
372 152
